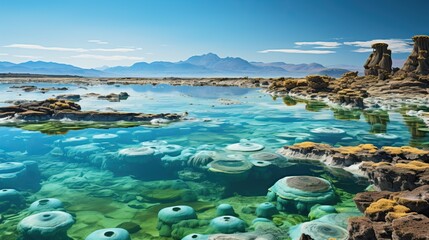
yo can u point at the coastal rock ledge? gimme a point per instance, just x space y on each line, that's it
54 109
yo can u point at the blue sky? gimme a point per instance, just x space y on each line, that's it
93 33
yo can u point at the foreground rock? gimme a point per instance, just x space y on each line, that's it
54 109
392 215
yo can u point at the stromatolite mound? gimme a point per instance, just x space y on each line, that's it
300 193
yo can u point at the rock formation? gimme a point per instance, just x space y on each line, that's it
380 60
349 155
418 61
392 215
54 109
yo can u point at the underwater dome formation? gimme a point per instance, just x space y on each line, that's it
245 147
51 225
319 231
300 193
46 204
109 234
172 215
228 224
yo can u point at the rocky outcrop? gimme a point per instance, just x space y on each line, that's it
54 109
380 60
69 97
113 97
418 61
411 227
392 215
350 97
380 80
349 155
405 175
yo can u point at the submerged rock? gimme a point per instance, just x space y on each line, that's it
300 193
227 224
109 234
172 215
51 225
319 231
245 147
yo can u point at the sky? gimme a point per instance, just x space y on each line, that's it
95 33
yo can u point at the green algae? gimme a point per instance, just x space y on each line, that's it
345 114
60 127
168 195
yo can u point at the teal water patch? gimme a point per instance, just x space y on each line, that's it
115 175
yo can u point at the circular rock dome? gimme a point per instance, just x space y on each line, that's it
46 204
266 210
293 135
228 224
318 230
328 131
46 225
109 234
171 149
339 219
104 136
11 167
267 156
260 163
225 209
136 155
301 193
195 236
175 214
9 194
245 147
318 211
201 158
230 166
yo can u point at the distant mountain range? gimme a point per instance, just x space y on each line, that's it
207 65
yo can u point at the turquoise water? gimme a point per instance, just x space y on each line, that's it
100 193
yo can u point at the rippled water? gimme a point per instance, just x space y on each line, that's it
101 194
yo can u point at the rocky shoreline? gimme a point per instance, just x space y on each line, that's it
54 109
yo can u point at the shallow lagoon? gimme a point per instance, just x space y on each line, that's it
100 195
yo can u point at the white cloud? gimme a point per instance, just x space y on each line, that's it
396 45
66 49
297 51
39 47
96 41
4 54
320 44
26 56
114 49
107 58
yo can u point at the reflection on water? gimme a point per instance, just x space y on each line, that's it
121 174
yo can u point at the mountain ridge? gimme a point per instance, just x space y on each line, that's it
205 65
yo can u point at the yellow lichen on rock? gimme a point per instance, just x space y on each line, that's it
370 148
404 150
386 205
305 145
375 165
413 165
